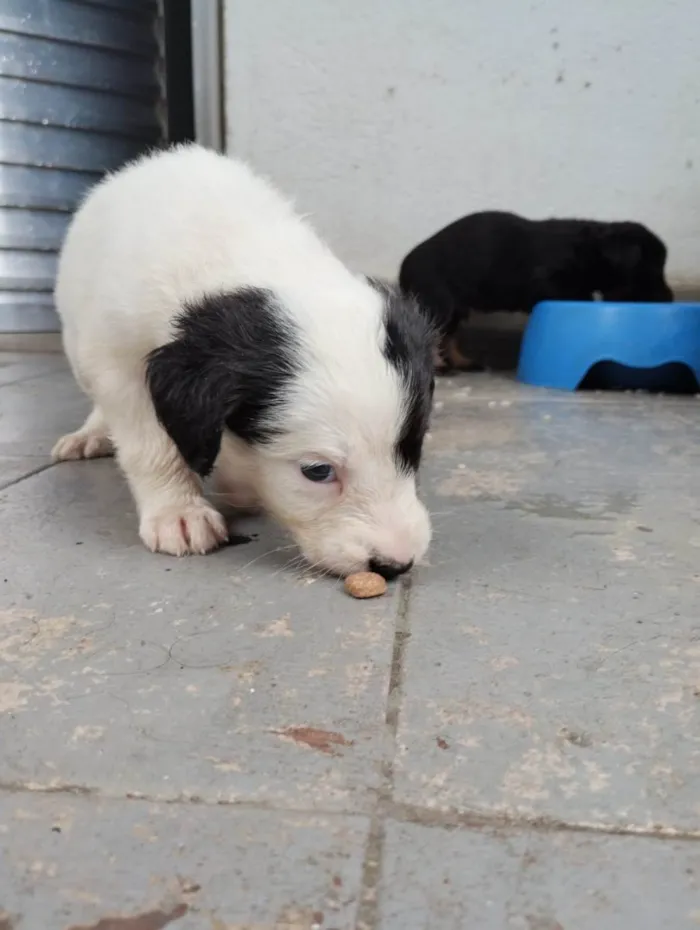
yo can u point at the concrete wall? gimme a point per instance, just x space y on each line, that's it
389 119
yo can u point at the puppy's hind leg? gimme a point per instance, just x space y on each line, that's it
174 517
91 441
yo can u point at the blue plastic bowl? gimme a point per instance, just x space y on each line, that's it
611 345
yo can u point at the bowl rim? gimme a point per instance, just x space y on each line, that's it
622 304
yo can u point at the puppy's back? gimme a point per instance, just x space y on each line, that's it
466 255
175 226
159 232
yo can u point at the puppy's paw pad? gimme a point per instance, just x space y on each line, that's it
81 445
187 529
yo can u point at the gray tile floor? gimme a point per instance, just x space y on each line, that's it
510 740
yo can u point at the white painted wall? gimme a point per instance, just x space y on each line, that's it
389 118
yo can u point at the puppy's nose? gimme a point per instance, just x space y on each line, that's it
388 568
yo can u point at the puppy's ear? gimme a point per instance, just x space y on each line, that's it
229 364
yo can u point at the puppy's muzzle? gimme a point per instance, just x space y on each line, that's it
389 569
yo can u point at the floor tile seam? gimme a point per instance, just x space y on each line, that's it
100 796
490 820
385 811
30 474
368 915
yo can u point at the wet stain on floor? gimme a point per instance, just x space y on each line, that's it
323 740
152 920
240 540
551 506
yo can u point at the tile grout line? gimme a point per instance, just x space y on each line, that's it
394 811
30 474
368 909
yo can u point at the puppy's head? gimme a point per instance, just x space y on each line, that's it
330 413
630 262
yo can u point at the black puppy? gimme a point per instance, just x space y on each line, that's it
499 261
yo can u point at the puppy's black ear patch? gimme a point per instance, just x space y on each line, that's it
229 365
410 340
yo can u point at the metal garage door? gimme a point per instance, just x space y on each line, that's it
80 93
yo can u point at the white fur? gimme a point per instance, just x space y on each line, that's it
174 227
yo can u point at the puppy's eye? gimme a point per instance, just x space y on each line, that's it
319 472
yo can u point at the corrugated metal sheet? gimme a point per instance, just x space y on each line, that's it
79 94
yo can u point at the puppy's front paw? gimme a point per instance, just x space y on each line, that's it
83 444
183 529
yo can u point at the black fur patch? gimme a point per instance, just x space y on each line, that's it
229 365
408 347
495 261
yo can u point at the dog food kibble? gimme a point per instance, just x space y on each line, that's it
365 584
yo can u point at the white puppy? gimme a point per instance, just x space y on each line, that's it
213 329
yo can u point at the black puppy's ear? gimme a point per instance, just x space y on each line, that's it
229 364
